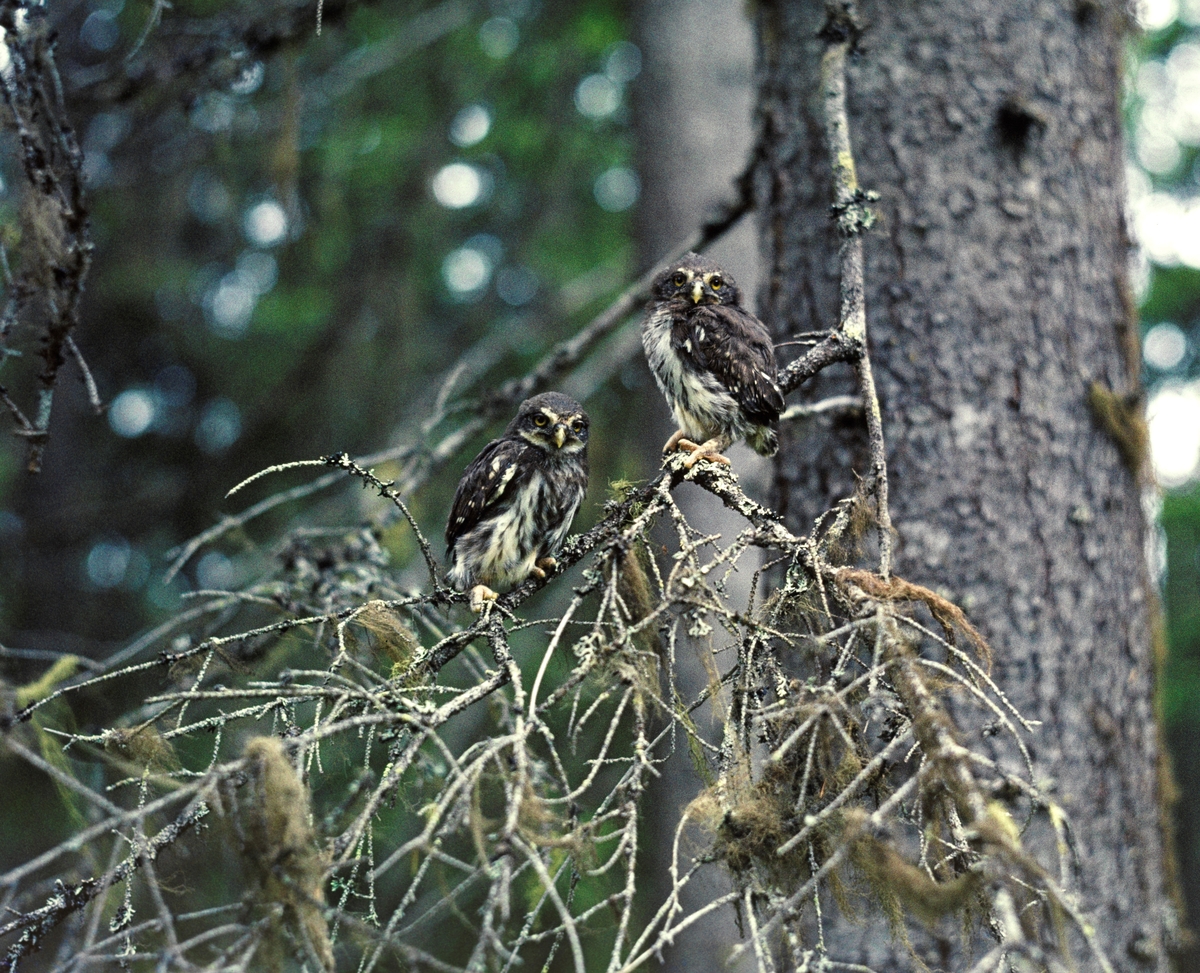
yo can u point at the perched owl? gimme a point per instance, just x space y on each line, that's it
713 360
515 502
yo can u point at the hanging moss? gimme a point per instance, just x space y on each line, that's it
387 637
39 689
633 587
856 518
1123 418
949 616
280 850
143 746
752 831
891 874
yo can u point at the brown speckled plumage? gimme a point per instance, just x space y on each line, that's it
517 498
713 359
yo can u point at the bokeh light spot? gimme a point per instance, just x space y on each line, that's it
107 562
137 571
1156 14
214 572
1164 346
250 80
266 223
219 427
466 271
617 189
516 286
1174 418
597 97
96 169
1168 229
257 271
1157 150
489 245
458 185
498 37
132 413
213 112
622 62
470 126
105 131
231 305
100 30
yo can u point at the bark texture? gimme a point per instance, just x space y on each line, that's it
996 297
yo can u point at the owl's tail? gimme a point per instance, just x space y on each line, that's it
763 440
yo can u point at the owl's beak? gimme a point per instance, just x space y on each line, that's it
697 291
560 435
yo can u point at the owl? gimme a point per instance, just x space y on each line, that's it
713 360
517 498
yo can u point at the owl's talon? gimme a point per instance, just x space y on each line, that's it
482 597
700 454
537 572
547 563
678 440
709 450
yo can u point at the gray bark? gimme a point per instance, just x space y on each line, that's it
995 288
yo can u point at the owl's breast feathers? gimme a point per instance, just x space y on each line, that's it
514 504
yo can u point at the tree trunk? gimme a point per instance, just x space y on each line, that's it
996 296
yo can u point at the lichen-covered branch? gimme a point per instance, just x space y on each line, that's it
834 772
45 290
848 342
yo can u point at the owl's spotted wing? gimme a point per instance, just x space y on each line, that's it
736 348
492 478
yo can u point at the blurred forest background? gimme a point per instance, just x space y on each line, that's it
1164 182
296 235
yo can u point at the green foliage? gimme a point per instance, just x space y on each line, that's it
1181 685
355 316
1173 295
1123 418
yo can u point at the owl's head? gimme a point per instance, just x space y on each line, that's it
695 280
553 422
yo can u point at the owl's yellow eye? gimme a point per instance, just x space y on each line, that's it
577 425
716 283
540 421
679 280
